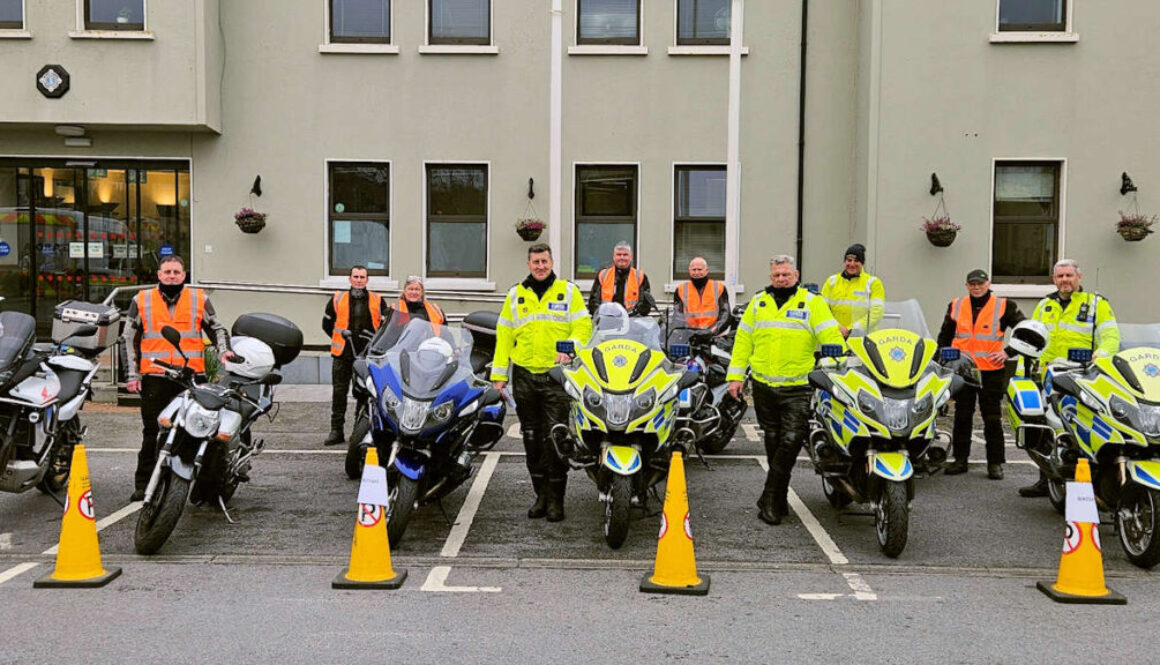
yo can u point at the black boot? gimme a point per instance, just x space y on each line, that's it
540 507
956 467
336 436
555 494
767 507
1036 489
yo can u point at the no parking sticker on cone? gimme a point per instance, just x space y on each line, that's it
85 506
369 514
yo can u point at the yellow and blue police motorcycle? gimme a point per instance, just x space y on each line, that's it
1106 410
873 417
624 421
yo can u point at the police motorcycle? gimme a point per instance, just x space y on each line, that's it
206 446
1105 410
873 417
708 351
42 390
624 423
426 411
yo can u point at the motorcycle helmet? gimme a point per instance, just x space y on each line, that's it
1029 338
434 352
257 358
966 368
611 319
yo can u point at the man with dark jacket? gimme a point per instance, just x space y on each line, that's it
358 310
702 302
620 283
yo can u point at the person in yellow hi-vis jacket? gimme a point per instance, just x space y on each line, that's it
1075 319
776 339
856 298
537 313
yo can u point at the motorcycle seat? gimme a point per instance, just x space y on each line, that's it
253 392
70 383
479 361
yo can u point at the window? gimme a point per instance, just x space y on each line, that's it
359 218
11 14
608 22
1032 15
114 14
703 22
459 22
457 220
605 214
699 223
360 21
1026 219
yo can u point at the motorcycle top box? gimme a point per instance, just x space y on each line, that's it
17 335
72 314
279 333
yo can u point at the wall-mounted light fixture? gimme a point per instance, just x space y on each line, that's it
935 185
1126 184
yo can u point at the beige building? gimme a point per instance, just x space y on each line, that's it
403 134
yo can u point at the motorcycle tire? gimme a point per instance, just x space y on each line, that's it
55 479
891 518
716 442
403 496
837 496
355 453
616 511
1138 524
158 518
1057 495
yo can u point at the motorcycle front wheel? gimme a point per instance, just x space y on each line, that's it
1136 522
355 453
158 518
1057 495
55 478
891 518
616 511
403 496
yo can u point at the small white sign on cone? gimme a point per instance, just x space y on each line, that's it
373 490
1081 503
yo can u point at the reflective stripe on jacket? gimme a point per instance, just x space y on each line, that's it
701 308
529 327
632 284
857 304
980 337
777 345
342 318
1087 316
187 316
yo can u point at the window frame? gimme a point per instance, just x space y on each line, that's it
1064 26
459 41
618 41
328 247
378 41
21 25
577 219
91 26
466 219
678 41
1030 282
677 272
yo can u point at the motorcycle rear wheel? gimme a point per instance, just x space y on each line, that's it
403 496
1137 522
891 518
355 453
717 441
616 511
1057 495
157 519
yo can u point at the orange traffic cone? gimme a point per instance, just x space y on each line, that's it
676 566
370 552
78 555
1081 566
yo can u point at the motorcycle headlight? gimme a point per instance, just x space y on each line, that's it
868 404
370 384
443 411
922 407
1120 408
1149 419
199 421
470 408
669 393
412 414
591 398
895 413
390 399
645 400
617 408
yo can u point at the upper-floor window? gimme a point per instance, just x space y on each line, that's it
1032 15
459 22
360 21
114 14
457 220
1025 242
703 22
359 201
608 22
699 219
11 14
606 212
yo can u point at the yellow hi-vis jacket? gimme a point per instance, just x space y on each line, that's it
857 304
529 327
1087 315
778 344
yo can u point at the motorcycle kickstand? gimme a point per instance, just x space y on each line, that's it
446 517
222 504
56 497
701 457
660 502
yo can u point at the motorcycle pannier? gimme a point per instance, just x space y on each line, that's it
72 314
279 333
17 335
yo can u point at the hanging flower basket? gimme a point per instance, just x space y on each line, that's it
250 220
1134 227
530 228
940 231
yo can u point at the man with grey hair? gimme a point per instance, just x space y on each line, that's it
776 340
1075 319
621 283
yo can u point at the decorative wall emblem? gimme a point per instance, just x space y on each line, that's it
52 81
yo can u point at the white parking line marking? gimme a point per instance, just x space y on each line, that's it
108 521
514 431
467 512
436 581
5 541
16 570
750 432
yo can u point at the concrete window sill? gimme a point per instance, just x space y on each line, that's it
607 50
132 35
452 49
360 49
1022 290
1014 37
15 34
704 50
458 284
341 282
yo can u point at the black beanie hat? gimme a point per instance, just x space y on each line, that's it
857 250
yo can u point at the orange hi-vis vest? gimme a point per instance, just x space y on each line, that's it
981 337
701 308
342 317
434 314
187 316
632 283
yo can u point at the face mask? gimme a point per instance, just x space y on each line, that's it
171 291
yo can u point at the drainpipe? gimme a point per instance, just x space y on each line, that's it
555 129
733 159
801 180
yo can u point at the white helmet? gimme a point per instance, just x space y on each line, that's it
1029 338
434 351
257 358
611 319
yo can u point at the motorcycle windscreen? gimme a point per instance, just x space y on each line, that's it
897 358
427 359
17 334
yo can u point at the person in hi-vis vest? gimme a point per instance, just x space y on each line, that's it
621 283
856 298
358 310
702 302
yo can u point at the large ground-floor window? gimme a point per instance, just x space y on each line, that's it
1025 242
699 219
77 229
359 201
606 213
457 197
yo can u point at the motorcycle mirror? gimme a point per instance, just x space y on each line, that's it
1079 355
679 350
819 380
346 335
812 288
566 346
271 379
689 378
949 353
832 351
173 337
